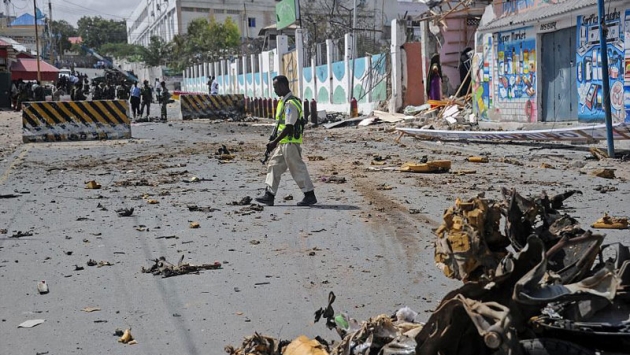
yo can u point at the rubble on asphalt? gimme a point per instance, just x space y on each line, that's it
540 272
165 269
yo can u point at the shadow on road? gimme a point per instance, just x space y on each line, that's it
325 207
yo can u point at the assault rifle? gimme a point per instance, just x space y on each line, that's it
273 136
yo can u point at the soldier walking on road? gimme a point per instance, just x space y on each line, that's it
165 96
147 98
286 147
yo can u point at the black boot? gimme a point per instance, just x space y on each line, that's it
309 199
266 199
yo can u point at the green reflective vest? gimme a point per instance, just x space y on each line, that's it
280 120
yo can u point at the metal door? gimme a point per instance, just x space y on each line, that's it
5 90
558 76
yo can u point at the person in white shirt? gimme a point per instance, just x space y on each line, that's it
214 87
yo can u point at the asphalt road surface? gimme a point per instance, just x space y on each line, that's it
279 264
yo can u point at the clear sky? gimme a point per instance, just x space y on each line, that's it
73 10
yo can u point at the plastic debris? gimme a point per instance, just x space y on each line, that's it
42 287
31 323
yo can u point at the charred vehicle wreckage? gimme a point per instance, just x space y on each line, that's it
542 286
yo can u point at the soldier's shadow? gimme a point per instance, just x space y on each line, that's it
325 207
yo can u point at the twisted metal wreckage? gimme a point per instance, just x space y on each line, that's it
561 291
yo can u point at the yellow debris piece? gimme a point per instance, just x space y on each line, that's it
608 222
436 166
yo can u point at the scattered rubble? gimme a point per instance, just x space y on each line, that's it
334 178
243 202
166 269
124 212
207 209
93 185
604 173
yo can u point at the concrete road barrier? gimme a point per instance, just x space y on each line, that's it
75 121
212 106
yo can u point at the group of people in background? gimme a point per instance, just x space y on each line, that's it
77 86
141 98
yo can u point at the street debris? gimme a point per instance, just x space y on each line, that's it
288 198
9 196
152 202
42 287
435 166
302 345
315 158
167 237
608 222
127 183
90 309
126 337
245 211
99 264
165 269
605 189
604 173
207 209
20 234
335 179
464 172
92 185
598 153
243 202
31 323
124 212
478 159
554 277
194 225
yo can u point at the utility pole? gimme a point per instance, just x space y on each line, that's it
354 49
51 33
39 75
603 31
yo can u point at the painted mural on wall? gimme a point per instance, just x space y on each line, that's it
589 67
626 65
482 77
516 68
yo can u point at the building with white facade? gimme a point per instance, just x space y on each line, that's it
167 18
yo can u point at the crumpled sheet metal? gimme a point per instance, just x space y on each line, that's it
458 327
538 288
538 216
469 242
382 334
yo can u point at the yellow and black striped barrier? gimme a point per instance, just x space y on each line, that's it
75 121
212 106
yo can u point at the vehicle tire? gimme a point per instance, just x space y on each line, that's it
548 346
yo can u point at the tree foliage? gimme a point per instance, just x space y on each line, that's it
127 51
97 31
205 41
61 31
156 53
